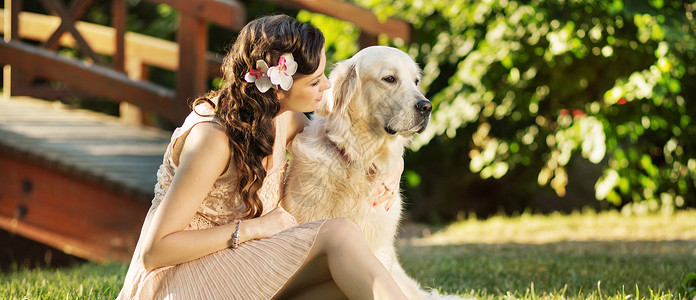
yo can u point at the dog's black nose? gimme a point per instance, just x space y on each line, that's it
424 107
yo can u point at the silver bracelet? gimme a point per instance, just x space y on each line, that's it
235 236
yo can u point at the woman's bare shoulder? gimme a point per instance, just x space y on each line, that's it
208 138
209 129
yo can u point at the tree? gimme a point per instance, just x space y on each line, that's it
521 87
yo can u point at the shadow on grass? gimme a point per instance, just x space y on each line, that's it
17 252
569 268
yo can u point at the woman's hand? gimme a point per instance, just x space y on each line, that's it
274 222
387 190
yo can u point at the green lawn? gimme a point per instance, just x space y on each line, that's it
84 281
578 256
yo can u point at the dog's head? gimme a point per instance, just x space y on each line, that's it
378 86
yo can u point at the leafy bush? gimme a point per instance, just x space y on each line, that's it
688 287
521 87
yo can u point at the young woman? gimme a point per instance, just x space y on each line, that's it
215 230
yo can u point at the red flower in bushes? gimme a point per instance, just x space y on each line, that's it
577 114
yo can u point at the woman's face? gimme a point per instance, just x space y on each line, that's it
306 91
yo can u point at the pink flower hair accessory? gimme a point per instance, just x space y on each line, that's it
278 75
282 73
259 76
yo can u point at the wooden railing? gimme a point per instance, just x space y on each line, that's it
55 188
140 51
124 79
25 62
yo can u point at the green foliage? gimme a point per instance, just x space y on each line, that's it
156 20
527 85
341 36
688 287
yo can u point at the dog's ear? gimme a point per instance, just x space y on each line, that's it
344 82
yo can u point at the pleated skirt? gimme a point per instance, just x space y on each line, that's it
257 269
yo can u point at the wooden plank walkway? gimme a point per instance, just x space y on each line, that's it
76 180
90 145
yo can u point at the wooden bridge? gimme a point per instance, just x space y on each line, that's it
81 181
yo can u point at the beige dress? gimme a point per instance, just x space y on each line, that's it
257 269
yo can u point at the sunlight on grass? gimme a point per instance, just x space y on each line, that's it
579 256
584 255
586 226
83 281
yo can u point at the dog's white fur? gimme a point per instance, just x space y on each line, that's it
372 119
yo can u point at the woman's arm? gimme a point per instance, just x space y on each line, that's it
204 156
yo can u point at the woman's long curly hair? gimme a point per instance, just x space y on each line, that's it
246 113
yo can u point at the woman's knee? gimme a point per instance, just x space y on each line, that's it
338 231
341 226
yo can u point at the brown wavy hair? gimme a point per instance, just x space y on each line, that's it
246 113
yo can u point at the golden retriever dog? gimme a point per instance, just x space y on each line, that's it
351 153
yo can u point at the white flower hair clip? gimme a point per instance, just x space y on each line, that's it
259 76
279 75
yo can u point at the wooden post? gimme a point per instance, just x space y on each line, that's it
11 78
367 39
129 113
191 76
118 21
12 9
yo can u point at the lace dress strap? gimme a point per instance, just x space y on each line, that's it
201 113
279 155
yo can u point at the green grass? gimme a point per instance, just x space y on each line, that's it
579 256
577 270
83 281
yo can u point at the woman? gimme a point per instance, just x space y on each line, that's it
215 230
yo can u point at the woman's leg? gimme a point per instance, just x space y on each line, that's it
340 254
326 290
310 277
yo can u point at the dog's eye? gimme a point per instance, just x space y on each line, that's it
417 81
390 79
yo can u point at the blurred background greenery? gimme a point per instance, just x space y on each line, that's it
548 105
539 105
